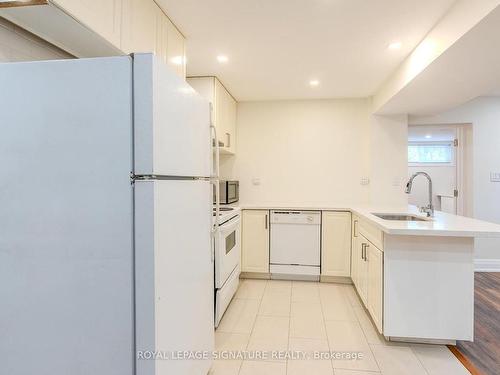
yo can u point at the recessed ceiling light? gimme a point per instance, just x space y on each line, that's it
314 82
395 45
428 136
222 59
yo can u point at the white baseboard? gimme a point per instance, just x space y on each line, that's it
486 265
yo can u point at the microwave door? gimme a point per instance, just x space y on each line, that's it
231 192
223 193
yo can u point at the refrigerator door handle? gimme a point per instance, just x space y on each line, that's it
215 178
215 148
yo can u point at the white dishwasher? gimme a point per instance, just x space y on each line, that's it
295 244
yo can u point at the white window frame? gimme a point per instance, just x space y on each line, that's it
452 163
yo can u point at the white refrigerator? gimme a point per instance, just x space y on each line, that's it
106 263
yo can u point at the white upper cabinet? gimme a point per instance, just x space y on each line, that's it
91 28
147 29
170 44
336 244
104 17
225 117
140 26
176 54
224 110
83 28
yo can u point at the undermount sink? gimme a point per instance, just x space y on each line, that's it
401 217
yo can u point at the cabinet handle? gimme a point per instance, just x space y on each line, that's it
366 254
363 251
355 228
228 137
266 222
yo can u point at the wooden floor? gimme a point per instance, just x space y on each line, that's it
484 352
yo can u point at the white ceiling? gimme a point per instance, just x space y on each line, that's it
467 69
275 47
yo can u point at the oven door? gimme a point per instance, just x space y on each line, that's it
227 251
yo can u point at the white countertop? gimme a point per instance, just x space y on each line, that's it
442 224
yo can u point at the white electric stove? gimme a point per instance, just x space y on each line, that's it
227 258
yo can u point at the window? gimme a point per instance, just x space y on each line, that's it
430 153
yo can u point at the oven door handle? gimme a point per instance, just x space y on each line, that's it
230 226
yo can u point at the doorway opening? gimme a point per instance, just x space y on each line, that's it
444 151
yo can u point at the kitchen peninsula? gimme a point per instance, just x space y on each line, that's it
414 274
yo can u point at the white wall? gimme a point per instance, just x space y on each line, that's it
17 44
303 152
388 160
316 152
484 115
443 182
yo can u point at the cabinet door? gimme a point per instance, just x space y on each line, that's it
101 16
140 26
336 244
225 117
221 115
375 284
255 241
362 269
205 86
162 36
355 256
231 124
176 57
355 260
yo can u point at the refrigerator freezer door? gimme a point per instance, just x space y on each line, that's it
171 122
174 273
66 209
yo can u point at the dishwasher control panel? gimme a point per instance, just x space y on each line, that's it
295 217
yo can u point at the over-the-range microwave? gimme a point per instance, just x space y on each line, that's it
229 192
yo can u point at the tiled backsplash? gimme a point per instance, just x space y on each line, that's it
17 44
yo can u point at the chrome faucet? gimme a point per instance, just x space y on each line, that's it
429 209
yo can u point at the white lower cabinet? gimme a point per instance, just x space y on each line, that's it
368 274
336 244
354 250
255 241
375 284
362 270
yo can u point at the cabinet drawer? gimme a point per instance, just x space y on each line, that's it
372 233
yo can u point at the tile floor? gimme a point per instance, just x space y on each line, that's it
316 317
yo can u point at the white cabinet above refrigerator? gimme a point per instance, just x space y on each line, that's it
223 107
